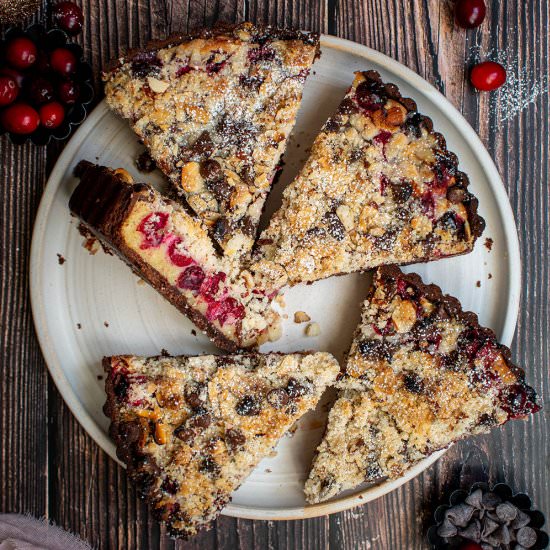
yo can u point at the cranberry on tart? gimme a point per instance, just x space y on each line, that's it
191 429
380 187
215 109
174 253
421 374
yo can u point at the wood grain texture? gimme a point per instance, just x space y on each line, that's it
49 466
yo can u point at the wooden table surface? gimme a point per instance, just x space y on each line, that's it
50 467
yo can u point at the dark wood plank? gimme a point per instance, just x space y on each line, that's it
68 478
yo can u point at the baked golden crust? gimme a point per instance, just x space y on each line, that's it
191 429
421 374
380 187
215 110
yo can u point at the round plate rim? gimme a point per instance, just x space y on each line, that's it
422 87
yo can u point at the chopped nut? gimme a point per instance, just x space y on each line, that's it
191 179
248 278
124 175
313 329
404 316
158 86
301 317
395 115
346 217
160 433
274 332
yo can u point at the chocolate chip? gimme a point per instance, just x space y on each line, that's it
194 397
472 531
209 465
506 511
347 107
221 228
294 389
413 383
247 174
502 534
490 501
220 188
145 163
414 124
474 499
440 314
185 434
234 438
277 398
248 226
447 529
489 526
526 536
331 126
460 514
334 225
521 520
171 486
250 82
211 170
456 194
376 349
201 419
121 386
248 406
204 146
401 192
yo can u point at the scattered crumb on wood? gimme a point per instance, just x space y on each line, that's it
164 352
478 284
490 276
140 282
60 259
272 454
280 300
100 377
78 326
144 162
267 471
193 332
301 317
91 244
313 329
106 323
285 316
489 243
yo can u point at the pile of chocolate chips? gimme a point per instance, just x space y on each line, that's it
492 519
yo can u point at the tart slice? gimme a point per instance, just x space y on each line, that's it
215 110
421 374
380 187
173 252
191 429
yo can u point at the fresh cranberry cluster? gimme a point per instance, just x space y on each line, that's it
42 79
208 287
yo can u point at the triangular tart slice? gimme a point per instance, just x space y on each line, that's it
173 252
215 109
380 187
191 429
421 374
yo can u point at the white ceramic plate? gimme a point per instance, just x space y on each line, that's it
92 292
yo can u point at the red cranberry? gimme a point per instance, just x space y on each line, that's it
177 258
63 61
8 90
191 278
52 114
225 310
40 90
69 17
383 137
68 92
211 285
16 75
469 13
152 227
21 53
20 118
488 76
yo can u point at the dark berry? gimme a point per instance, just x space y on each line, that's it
68 91
413 383
152 227
370 95
40 90
402 191
488 76
263 53
68 16
191 278
209 465
52 114
175 255
376 350
335 226
294 389
9 90
234 438
20 118
13 73
211 170
21 53
145 163
121 386
145 63
277 398
169 485
211 284
456 194
63 61
470 13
